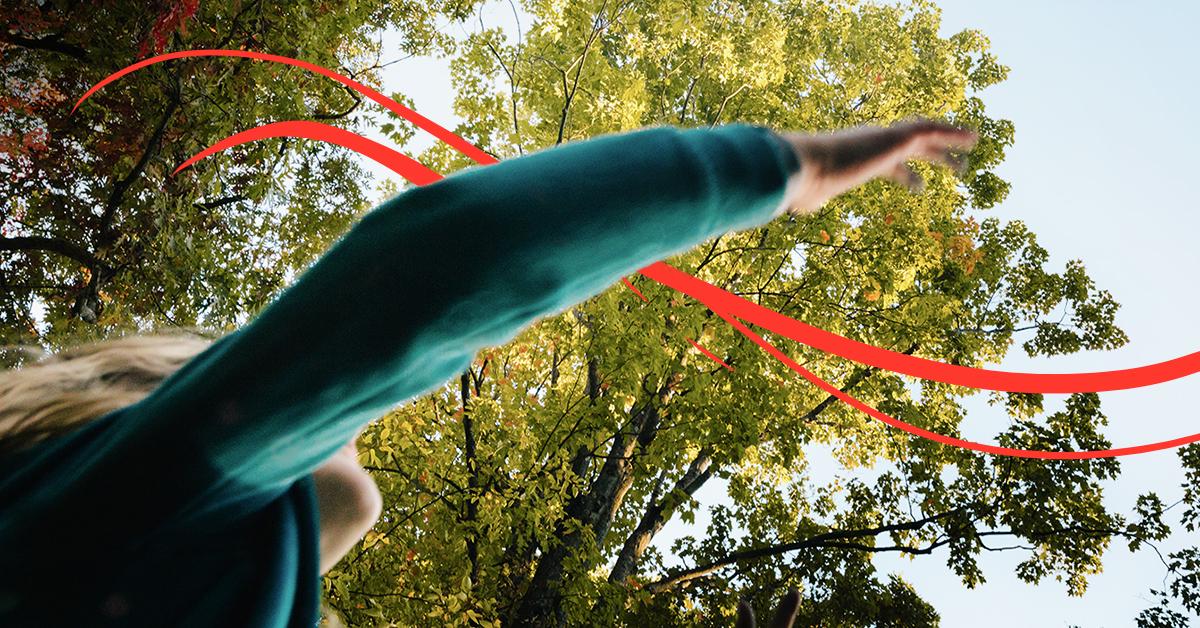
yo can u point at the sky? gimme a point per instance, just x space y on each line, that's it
1102 169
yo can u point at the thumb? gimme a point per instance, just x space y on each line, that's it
745 615
905 175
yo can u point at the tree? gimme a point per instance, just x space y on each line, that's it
94 228
1178 599
530 491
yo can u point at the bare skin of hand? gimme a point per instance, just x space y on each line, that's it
836 162
785 613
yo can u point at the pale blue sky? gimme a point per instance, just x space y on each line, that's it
1102 170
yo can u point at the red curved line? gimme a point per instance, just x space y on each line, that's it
414 171
949 440
709 354
417 119
397 162
1124 379
725 304
626 281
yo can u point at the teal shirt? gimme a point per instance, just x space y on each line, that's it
196 507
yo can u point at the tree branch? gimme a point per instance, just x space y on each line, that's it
598 26
472 474
106 235
659 512
593 509
51 43
321 115
53 245
221 202
721 110
828 539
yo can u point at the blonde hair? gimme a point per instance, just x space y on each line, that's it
59 393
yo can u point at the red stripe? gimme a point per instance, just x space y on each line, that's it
438 131
723 303
706 352
626 281
398 162
949 440
1124 379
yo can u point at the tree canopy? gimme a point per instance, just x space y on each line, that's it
530 490
97 232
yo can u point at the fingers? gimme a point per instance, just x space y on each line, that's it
939 133
939 150
745 615
906 176
956 160
836 162
939 142
932 141
786 613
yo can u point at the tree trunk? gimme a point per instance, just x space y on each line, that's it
472 506
542 602
657 515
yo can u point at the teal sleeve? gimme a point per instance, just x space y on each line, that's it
406 298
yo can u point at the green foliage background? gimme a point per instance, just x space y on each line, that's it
531 489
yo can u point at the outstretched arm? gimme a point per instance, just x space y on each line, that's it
405 299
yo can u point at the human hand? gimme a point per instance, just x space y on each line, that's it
785 613
836 162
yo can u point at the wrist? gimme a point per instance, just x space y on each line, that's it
802 194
